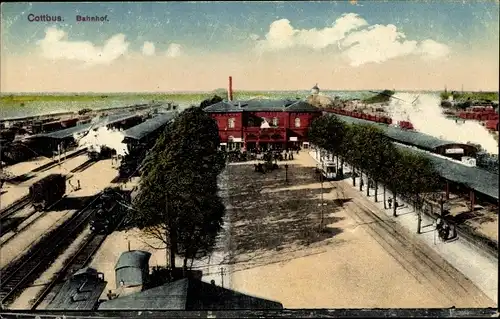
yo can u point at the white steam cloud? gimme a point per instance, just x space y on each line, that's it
427 117
103 136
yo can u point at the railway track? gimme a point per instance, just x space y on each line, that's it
54 163
14 207
19 274
83 166
11 226
80 259
425 265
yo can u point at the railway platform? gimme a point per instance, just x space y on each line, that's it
478 266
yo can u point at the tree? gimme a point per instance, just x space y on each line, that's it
177 202
210 101
420 178
328 132
379 153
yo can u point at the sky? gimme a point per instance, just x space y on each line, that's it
195 46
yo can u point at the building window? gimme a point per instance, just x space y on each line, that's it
275 121
297 122
230 123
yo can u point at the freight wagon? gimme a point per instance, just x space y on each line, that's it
47 191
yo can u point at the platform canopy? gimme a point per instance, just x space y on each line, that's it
140 131
69 132
415 138
475 178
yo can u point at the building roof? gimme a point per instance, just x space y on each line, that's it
69 132
138 132
475 178
131 276
480 180
188 294
223 107
404 136
261 105
133 258
66 132
171 296
78 293
302 106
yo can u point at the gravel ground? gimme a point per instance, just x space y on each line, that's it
277 252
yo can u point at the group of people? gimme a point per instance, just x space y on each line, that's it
75 188
443 227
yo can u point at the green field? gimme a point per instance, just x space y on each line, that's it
91 97
459 96
19 105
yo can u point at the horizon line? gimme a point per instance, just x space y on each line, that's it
242 91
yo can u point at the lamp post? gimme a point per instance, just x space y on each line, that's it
286 173
322 210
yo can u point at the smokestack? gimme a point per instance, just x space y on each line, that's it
230 90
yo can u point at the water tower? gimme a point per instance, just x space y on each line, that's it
315 90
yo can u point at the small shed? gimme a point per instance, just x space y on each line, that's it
132 268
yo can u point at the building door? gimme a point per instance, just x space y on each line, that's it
251 146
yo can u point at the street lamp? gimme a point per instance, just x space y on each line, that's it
286 173
322 210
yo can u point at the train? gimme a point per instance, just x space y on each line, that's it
109 212
406 125
44 126
47 191
101 152
140 139
329 170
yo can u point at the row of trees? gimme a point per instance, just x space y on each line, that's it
368 151
177 201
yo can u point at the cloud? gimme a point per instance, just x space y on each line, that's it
174 50
433 50
254 36
148 48
356 40
282 35
380 43
55 46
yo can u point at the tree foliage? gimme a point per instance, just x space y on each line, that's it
328 132
177 202
210 101
369 151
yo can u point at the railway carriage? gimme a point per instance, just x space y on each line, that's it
139 140
47 191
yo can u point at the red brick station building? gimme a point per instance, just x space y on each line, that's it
263 124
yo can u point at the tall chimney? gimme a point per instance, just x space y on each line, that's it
230 90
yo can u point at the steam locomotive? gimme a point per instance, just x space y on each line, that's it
109 212
100 152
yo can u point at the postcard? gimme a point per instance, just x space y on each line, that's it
257 157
